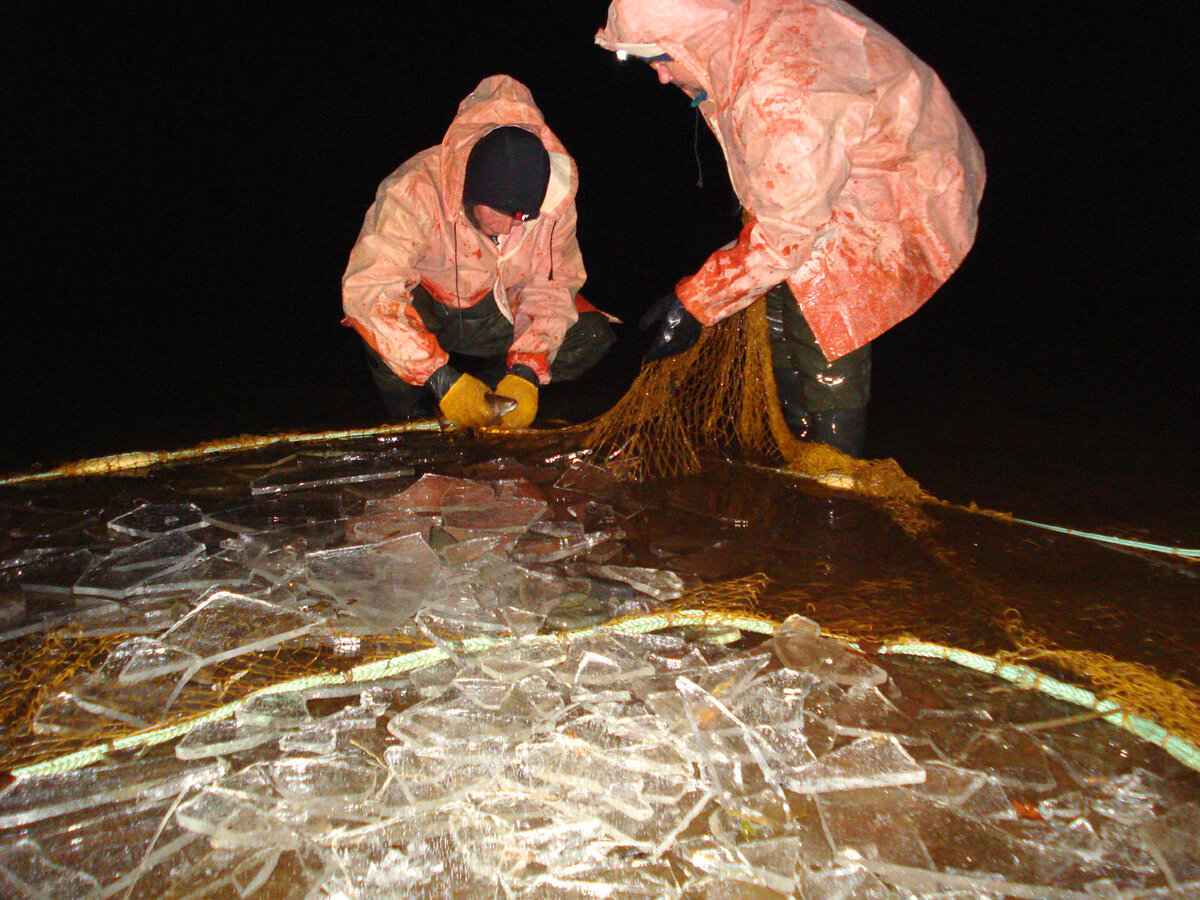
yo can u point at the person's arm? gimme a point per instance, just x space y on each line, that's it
545 306
796 162
377 285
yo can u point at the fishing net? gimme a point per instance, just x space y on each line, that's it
719 397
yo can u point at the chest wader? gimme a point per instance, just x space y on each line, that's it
822 401
479 338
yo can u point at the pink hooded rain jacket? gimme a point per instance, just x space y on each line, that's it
417 232
860 177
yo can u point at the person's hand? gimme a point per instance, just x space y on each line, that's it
678 329
463 399
519 385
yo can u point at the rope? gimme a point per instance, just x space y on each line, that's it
1123 542
1021 675
124 462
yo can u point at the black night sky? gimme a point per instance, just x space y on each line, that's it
184 181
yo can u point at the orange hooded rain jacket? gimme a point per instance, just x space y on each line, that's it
860 177
417 232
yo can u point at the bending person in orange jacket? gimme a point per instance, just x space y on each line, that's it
858 177
470 248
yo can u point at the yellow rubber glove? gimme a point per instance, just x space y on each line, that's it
525 393
466 404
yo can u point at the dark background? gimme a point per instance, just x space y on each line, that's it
184 181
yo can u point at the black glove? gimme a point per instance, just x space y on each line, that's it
678 329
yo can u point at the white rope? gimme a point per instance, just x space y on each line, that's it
1021 675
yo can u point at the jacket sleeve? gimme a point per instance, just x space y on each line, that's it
545 305
795 160
377 286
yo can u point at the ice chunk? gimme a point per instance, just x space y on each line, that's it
1175 843
29 873
737 760
296 515
311 470
379 526
45 796
660 584
799 646
326 785
226 625
241 810
542 544
1011 756
152 519
873 824
117 573
204 574
105 693
221 738
507 516
53 571
384 584
272 556
438 493
877 761
275 710
768 864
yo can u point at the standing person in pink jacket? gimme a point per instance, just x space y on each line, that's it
470 248
858 177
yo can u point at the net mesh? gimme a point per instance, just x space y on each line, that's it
720 397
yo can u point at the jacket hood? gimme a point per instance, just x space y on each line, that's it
695 33
501 100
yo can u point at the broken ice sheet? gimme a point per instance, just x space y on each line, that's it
867 823
326 785
52 571
550 542
288 710
384 583
299 515
40 797
372 527
105 693
271 556
660 584
800 646
117 573
877 761
152 519
222 737
83 841
226 625
26 871
202 575
562 763
511 516
770 864
469 550
311 470
1174 842
241 810
735 757
1011 756
510 662
438 493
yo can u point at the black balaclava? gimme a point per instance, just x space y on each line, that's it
508 170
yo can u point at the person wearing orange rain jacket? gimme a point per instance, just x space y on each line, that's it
470 248
858 177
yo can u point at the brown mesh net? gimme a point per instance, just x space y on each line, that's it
720 397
